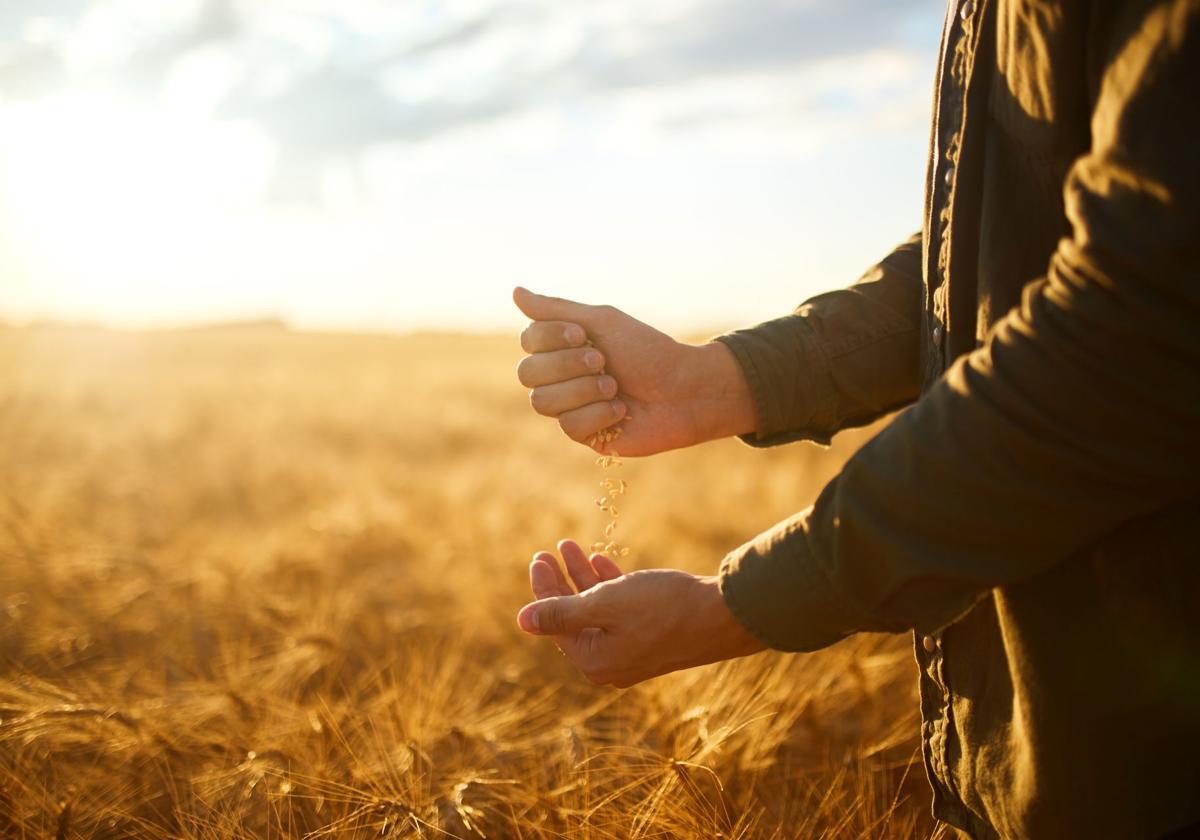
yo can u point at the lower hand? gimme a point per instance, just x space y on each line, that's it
621 629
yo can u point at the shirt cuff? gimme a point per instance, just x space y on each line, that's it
788 378
774 587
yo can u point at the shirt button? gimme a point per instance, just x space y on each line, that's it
929 643
938 334
968 9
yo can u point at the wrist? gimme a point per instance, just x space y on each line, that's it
728 635
722 404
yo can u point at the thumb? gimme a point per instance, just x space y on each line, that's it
544 308
556 616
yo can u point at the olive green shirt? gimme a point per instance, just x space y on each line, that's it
1032 513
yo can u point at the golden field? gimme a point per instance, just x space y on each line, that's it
259 583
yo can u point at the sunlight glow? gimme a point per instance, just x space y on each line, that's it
368 165
107 195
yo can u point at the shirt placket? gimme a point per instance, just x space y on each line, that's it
935 691
952 78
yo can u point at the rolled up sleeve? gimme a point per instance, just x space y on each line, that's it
842 359
772 579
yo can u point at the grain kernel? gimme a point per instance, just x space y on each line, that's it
612 488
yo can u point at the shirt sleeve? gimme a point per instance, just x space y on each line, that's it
842 359
1077 414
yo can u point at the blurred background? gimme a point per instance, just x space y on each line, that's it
261 582
372 165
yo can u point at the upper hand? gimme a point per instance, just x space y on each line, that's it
675 394
622 629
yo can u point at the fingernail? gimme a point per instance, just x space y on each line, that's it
593 360
607 385
619 408
574 334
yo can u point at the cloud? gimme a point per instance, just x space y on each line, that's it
30 71
329 80
39 50
496 63
16 17
30 63
146 67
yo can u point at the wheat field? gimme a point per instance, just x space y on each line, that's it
262 583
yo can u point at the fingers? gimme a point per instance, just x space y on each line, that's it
556 616
543 308
553 400
578 567
559 366
605 568
546 578
581 424
544 336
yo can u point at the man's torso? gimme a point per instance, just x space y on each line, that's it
1067 705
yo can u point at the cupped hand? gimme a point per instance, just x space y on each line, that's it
621 629
673 394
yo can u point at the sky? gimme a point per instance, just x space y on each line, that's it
384 165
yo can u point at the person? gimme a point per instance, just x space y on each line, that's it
1031 512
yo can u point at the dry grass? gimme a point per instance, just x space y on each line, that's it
261 584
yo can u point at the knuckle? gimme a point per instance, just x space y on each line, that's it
537 401
583 354
607 312
574 334
571 429
550 618
523 372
